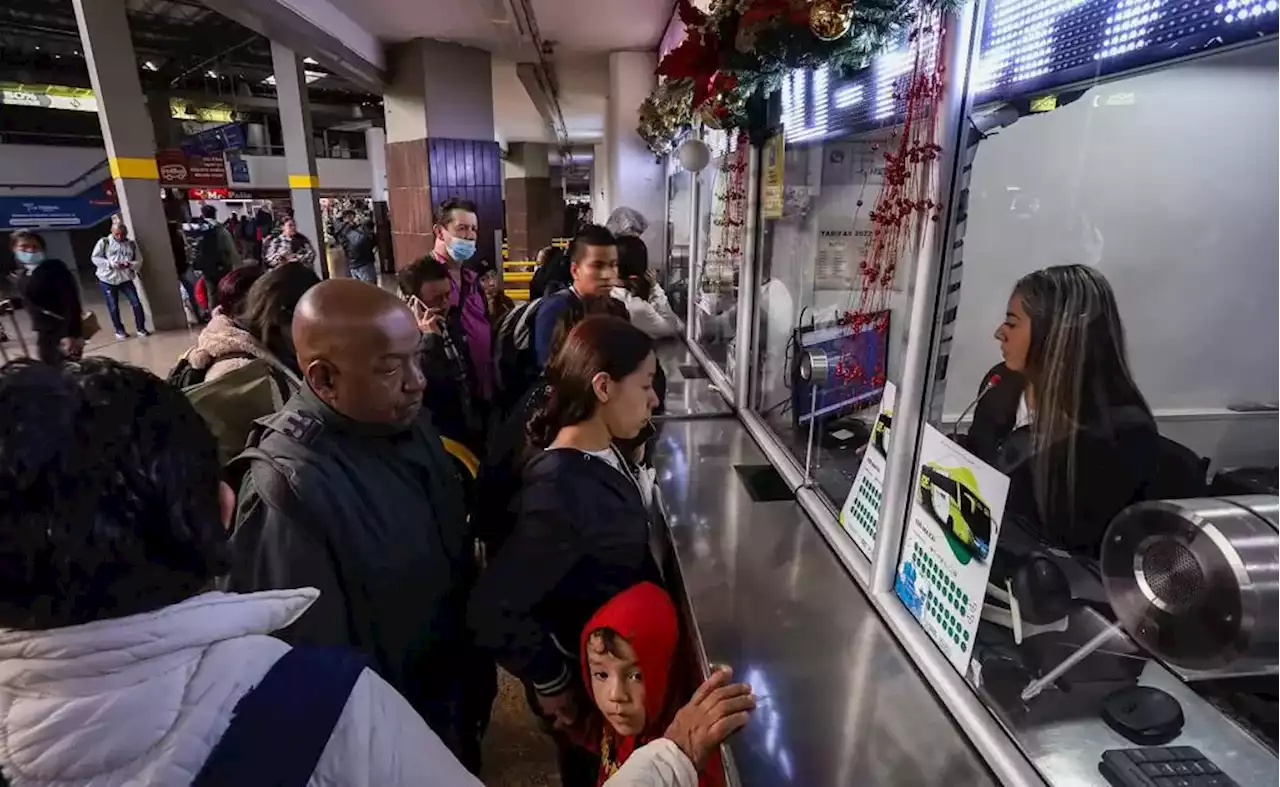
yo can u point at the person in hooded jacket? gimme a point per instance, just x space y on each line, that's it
582 533
259 329
638 288
628 652
118 665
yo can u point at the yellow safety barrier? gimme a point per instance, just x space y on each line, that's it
517 277
519 296
515 265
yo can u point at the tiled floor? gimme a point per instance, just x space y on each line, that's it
516 752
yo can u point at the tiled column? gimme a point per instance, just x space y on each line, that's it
299 148
131 152
530 225
440 143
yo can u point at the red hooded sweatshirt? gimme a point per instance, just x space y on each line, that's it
644 616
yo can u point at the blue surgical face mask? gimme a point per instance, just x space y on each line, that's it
461 249
29 259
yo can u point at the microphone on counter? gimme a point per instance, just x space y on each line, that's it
991 382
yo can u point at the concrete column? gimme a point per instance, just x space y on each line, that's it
530 222
375 143
161 120
131 152
441 143
635 179
299 148
600 181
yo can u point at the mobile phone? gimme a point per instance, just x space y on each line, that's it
418 308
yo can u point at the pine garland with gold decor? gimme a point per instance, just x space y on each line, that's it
735 55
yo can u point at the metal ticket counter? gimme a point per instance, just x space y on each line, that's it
903 625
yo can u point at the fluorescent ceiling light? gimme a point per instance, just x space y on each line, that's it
150 66
271 80
312 76
211 74
310 61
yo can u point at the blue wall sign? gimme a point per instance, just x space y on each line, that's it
90 207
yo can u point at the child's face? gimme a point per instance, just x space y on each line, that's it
616 684
489 282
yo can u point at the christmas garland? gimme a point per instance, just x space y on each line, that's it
735 55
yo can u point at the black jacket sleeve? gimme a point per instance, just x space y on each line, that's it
271 551
537 557
54 299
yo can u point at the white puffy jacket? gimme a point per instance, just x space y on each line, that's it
142 700
654 316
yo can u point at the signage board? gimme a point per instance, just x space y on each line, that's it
179 169
90 207
229 136
957 504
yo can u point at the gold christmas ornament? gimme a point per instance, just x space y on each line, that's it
830 19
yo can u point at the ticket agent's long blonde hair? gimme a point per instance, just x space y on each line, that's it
1078 367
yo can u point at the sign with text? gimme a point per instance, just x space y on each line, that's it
957 502
90 207
179 169
860 514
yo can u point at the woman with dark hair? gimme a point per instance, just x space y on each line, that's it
233 289
260 329
552 273
1062 416
582 528
639 290
51 297
498 482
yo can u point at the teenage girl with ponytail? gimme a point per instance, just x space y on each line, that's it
582 527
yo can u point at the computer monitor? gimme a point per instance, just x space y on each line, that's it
848 347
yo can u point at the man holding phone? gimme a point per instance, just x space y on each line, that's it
446 360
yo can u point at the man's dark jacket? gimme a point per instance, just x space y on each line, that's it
379 528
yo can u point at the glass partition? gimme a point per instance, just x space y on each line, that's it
1109 338
674 274
713 310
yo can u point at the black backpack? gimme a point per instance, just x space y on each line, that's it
514 354
200 241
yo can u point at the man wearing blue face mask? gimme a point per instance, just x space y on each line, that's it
455 229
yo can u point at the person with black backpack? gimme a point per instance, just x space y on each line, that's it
120 665
349 489
210 249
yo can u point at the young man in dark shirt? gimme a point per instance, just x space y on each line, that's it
593 256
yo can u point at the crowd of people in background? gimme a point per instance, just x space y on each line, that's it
303 556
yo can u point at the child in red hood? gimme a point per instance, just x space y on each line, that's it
628 651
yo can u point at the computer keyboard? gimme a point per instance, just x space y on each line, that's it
1162 766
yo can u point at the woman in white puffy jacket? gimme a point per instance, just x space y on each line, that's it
638 288
119 667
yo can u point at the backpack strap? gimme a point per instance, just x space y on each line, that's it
272 480
280 727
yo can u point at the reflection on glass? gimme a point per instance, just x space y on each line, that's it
721 245
809 285
674 273
1109 342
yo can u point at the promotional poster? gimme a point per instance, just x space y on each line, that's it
860 514
956 507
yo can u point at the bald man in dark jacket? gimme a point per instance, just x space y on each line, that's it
347 489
